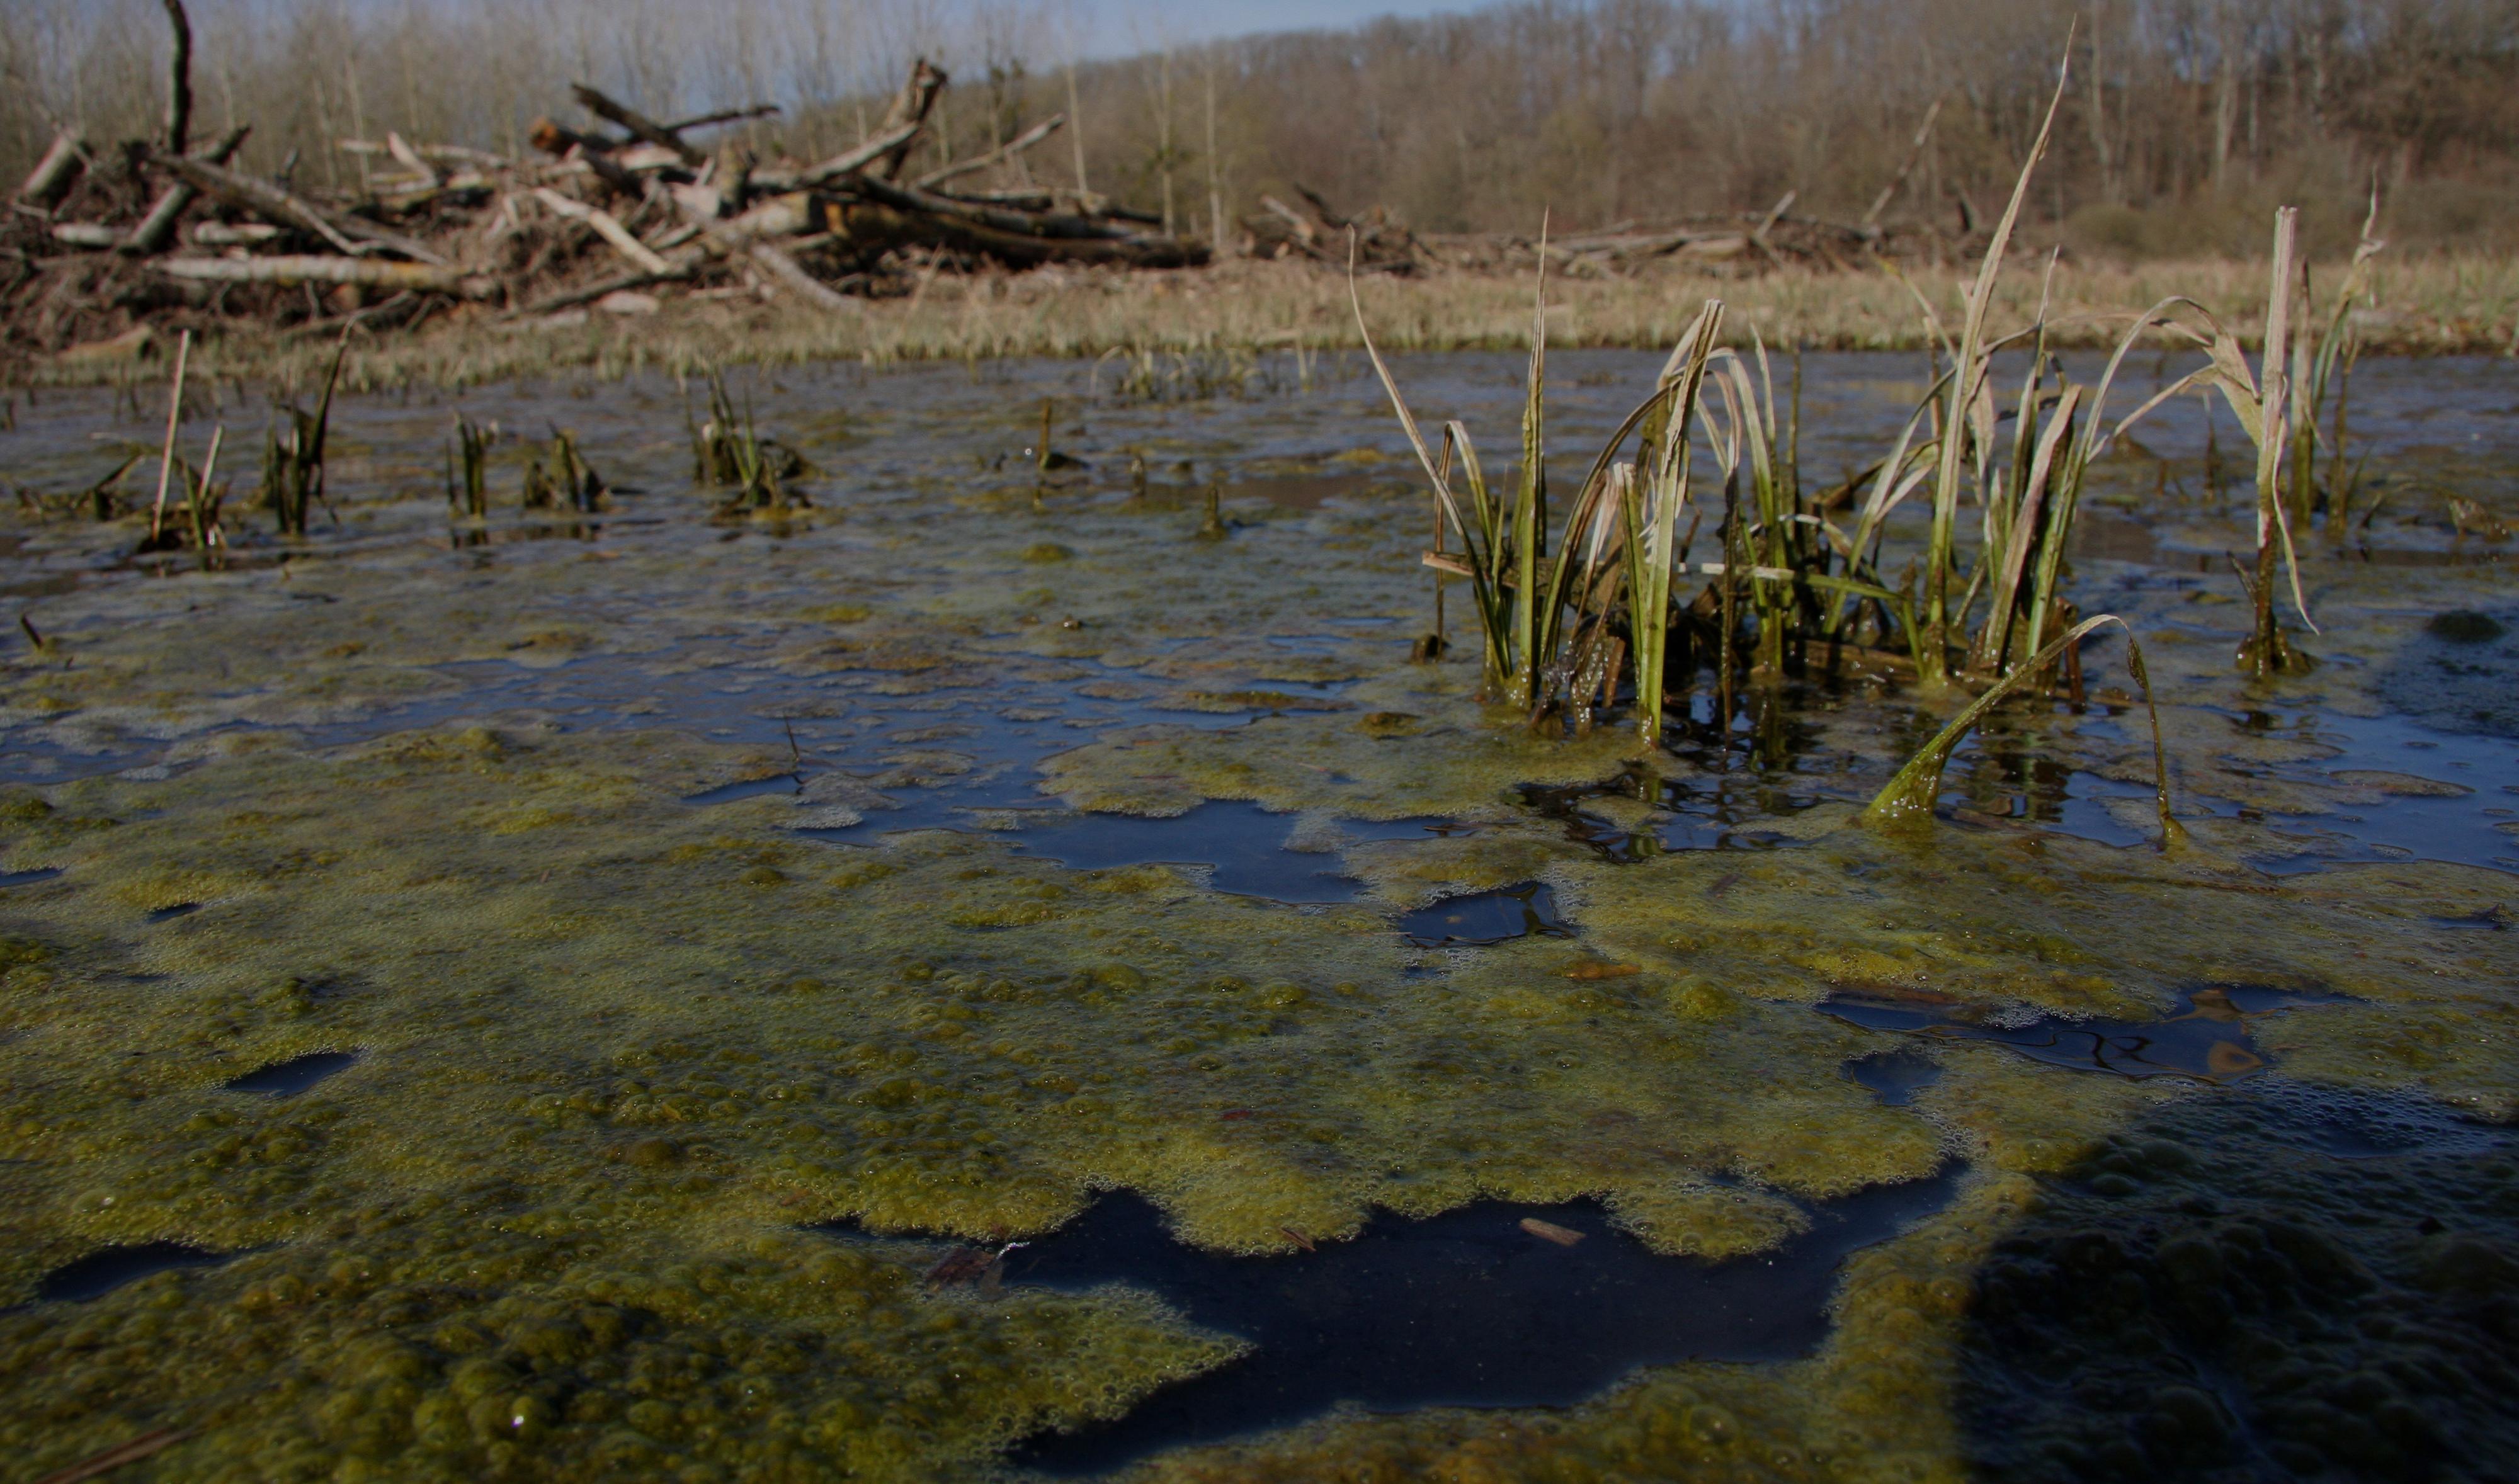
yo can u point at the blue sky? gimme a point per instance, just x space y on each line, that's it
1123 26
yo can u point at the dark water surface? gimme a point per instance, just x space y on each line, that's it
1493 1304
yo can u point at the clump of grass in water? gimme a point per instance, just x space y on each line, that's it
1199 375
292 458
469 498
728 452
561 477
1558 629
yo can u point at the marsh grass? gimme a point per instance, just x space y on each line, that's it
728 453
468 470
2423 306
294 453
559 477
1910 796
1560 618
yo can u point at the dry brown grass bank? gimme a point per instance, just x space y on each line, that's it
2431 306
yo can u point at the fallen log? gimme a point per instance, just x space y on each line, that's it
158 228
879 227
263 199
913 201
586 293
1005 152
788 215
789 275
608 227
56 172
235 234
365 273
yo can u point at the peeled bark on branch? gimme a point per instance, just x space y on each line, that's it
56 172
608 227
790 275
365 273
279 206
910 106
260 197
157 229
1005 152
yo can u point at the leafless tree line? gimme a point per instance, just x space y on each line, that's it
2188 115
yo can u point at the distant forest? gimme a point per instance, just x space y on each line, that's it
2184 122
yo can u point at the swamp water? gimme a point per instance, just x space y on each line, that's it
600 995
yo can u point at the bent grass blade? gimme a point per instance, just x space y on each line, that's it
1907 800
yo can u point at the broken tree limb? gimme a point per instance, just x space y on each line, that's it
789 215
1915 152
608 227
365 273
1005 152
1036 224
157 229
639 124
878 227
791 277
260 197
585 295
409 159
723 117
273 204
55 173
848 162
910 106
236 235
561 142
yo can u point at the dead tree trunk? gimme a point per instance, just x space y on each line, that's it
911 105
179 89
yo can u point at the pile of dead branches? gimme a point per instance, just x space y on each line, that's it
103 249
1380 243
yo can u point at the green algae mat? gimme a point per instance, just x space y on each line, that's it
620 994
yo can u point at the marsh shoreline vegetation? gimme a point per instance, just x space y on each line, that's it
662 882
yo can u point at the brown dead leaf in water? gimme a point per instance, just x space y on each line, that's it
1299 1239
1550 1231
2229 1059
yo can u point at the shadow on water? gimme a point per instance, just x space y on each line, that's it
286 1079
2280 1281
2206 1038
1490 1305
106 1269
1894 1077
